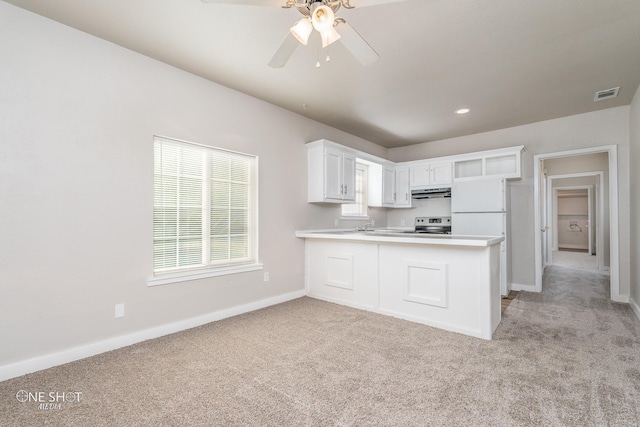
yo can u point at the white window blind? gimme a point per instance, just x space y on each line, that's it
359 208
204 207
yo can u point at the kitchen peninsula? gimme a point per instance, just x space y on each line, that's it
444 281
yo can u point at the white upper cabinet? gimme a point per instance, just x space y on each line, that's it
440 173
349 175
501 163
388 186
431 174
403 192
419 175
331 173
381 184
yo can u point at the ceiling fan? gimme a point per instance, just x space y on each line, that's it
318 15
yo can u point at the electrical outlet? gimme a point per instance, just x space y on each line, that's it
266 277
373 222
119 310
402 223
335 223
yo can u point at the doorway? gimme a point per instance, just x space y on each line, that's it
543 196
575 235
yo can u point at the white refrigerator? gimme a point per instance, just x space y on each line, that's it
479 208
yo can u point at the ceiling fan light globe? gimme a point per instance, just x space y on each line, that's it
329 36
302 30
322 18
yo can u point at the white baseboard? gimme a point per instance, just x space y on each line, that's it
521 287
341 302
581 247
59 358
434 324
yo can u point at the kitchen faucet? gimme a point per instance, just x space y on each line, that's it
364 227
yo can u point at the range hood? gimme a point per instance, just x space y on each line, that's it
430 193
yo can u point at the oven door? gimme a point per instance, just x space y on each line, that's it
436 229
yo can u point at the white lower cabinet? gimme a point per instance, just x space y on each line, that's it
436 286
455 288
343 272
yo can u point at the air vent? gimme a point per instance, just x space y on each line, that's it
606 94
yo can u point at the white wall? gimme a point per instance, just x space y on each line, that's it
605 127
634 137
77 119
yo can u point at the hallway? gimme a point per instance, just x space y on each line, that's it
577 260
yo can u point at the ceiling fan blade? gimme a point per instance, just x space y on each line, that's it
364 3
270 3
355 44
285 3
284 52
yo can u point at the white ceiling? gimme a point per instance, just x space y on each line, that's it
511 62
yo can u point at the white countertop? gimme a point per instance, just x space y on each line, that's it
390 236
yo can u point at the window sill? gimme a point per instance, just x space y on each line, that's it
356 218
184 276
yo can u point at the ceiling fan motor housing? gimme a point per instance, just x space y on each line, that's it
306 7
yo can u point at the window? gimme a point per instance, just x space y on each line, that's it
359 208
204 210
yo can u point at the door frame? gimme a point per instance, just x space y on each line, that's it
614 239
552 213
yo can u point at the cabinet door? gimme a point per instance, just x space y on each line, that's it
505 165
349 177
420 175
388 186
471 168
333 186
403 193
440 174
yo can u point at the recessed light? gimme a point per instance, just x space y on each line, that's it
462 111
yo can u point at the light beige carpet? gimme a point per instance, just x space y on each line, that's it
579 260
567 356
